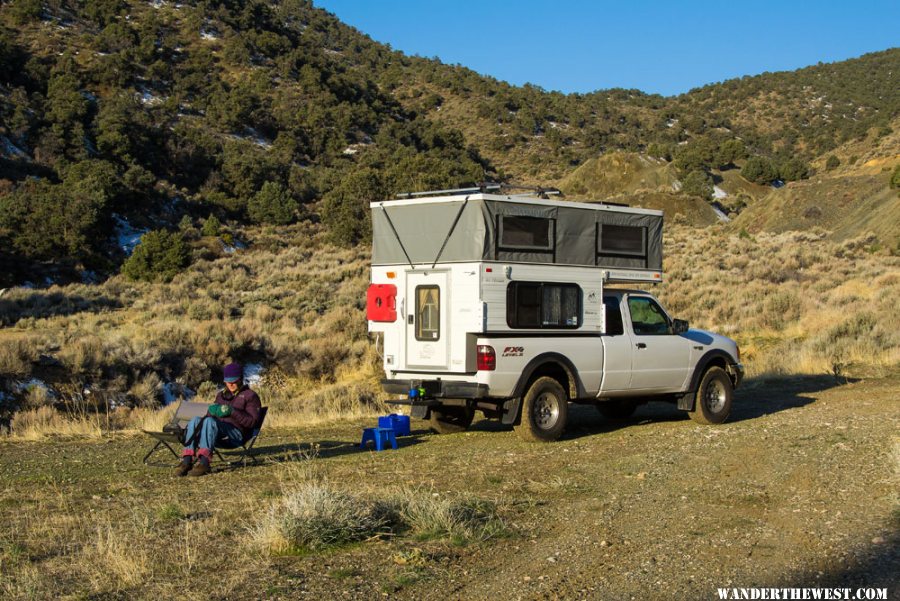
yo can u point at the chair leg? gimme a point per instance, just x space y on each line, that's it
156 446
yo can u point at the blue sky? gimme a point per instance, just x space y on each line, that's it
657 47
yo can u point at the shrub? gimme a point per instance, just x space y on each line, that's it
211 226
159 256
793 170
698 183
895 178
317 516
759 170
832 163
272 204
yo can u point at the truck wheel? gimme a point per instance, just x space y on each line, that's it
712 402
449 420
544 411
616 409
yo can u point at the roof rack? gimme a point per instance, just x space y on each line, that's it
486 187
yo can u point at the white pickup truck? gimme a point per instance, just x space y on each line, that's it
501 304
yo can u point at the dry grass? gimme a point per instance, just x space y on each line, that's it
313 515
796 303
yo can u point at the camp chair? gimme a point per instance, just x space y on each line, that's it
184 413
243 451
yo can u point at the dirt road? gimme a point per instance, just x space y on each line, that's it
799 489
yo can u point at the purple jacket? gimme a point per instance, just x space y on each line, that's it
245 408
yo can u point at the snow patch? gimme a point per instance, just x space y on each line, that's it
145 97
719 192
206 34
720 214
127 236
671 122
11 149
27 385
231 248
253 373
172 391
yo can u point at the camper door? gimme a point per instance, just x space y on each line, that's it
427 333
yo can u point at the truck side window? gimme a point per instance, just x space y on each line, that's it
614 325
647 317
428 313
543 305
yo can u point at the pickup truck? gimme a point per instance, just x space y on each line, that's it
644 355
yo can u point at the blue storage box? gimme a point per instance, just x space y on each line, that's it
400 423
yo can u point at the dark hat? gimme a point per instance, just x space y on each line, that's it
233 372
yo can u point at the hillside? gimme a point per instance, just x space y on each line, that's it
257 112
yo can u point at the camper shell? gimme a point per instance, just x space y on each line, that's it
476 294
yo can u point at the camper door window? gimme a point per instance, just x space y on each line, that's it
526 233
428 313
536 305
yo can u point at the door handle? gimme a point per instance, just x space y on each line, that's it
410 319
641 345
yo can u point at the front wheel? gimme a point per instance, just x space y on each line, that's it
544 411
450 419
712 402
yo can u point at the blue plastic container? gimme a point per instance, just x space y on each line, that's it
400 423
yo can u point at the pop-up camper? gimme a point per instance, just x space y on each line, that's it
479 295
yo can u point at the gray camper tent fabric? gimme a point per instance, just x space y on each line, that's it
484 230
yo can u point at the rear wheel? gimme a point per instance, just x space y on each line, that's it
616 409
449 420
545 409
712 402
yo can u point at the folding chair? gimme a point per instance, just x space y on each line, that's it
243 451
184 413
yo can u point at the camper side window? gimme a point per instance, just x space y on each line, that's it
526 233
621 240
428 313
543 305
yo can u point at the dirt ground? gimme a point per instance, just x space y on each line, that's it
798 489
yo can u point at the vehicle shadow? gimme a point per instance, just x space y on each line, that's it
765 396
874 566
756 399
326 449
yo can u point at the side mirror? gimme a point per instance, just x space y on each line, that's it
680 326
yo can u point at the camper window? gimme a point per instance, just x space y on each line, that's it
543 305
621 240
428 313
526 233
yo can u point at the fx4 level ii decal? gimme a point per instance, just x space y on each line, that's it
513 351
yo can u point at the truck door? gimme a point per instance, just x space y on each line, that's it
427 333
660 358
617 349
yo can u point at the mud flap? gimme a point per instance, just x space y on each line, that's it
686 401
510 411
420 411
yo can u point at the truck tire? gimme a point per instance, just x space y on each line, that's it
712 402
450 420
616 409
545 409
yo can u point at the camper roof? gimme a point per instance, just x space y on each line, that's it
517 199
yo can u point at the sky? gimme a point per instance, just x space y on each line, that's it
657 47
